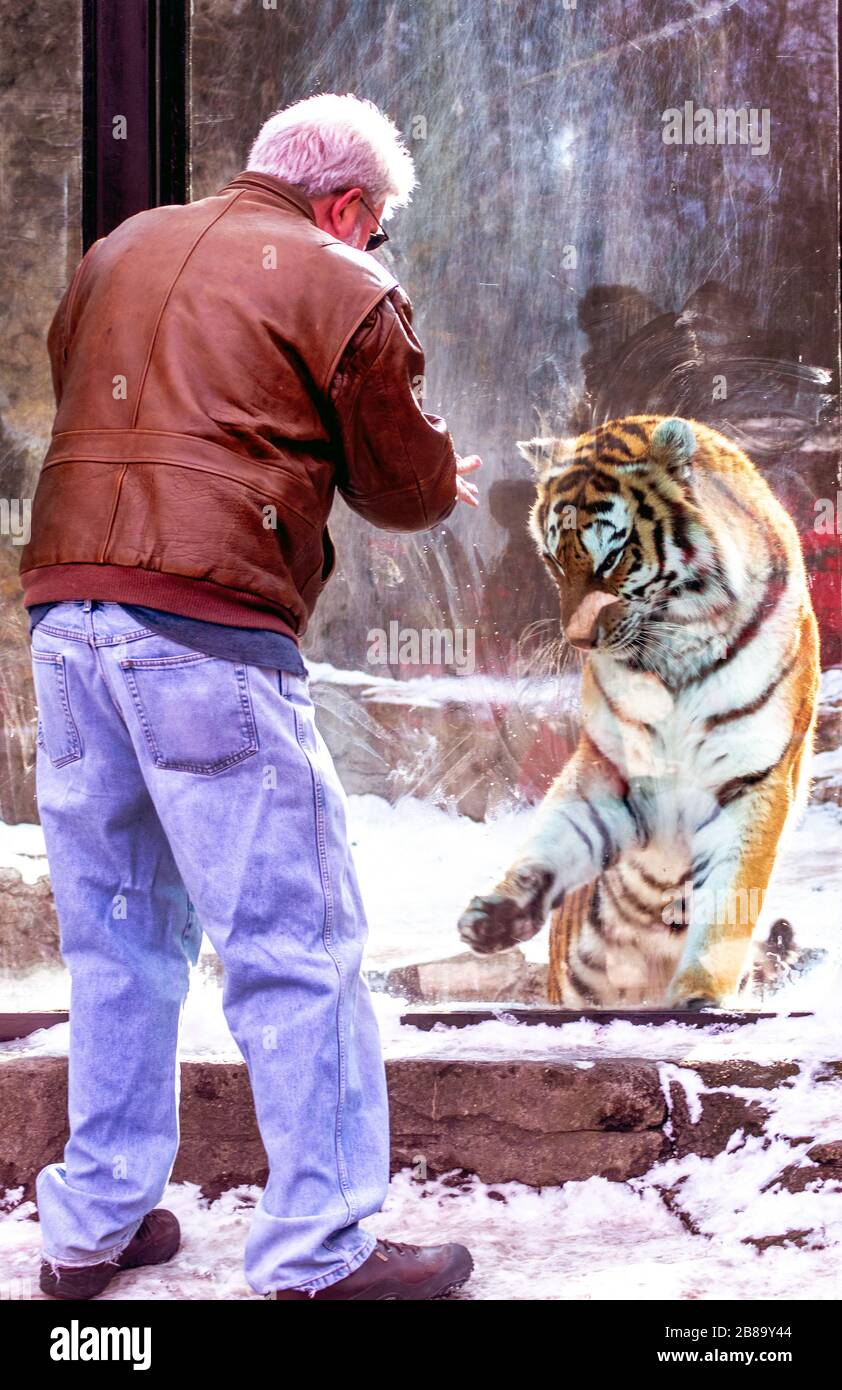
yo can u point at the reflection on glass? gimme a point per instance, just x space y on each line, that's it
622 213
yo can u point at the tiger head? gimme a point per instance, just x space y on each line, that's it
617 525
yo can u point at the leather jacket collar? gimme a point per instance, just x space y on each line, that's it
287 192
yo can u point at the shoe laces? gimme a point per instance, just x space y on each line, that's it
399 1246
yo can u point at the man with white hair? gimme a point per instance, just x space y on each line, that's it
220 370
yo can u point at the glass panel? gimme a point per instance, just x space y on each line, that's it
598 233
40 246
622 211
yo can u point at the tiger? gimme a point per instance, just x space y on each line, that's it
681 580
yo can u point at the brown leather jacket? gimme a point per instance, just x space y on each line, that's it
220 369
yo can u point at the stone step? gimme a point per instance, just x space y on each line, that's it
540 1122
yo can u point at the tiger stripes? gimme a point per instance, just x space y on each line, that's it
682 579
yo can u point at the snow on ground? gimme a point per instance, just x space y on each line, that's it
584 1240
22 848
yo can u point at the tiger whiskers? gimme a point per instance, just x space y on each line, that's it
552 657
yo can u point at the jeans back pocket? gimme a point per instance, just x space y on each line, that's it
195 710
58 735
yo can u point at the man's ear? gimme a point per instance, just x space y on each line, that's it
673 445
538 452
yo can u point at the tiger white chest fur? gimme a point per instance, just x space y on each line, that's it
679 749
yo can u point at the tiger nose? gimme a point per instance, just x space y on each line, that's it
582 628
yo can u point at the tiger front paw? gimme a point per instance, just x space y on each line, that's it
515 912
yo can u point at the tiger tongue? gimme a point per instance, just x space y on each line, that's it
581 627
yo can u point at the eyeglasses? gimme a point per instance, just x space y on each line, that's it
377 238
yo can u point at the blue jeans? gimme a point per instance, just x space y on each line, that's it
181 792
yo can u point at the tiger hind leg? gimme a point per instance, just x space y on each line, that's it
566 923
716 951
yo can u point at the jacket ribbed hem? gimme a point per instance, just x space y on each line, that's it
189 598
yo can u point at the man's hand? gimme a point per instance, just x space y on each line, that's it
467 492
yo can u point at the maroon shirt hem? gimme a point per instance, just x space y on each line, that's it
189 598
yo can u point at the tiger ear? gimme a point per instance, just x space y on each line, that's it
539 452
673 445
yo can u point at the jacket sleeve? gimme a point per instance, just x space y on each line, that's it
399 464
58 331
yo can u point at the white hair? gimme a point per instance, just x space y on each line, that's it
329 143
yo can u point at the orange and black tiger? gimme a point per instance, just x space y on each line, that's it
682 578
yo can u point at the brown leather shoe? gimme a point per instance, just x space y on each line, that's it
396 1269
154 1242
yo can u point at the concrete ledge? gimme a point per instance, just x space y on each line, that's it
537 1122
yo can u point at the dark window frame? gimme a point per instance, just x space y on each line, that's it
136 65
